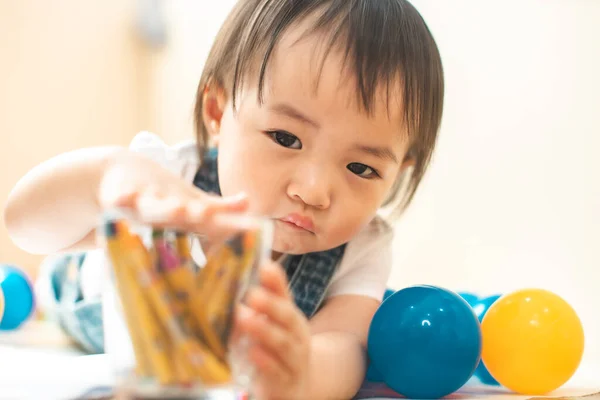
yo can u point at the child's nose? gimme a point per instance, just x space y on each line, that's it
310 185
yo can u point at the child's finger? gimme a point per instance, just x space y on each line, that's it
242 313
227 213
124 199
268 365
157 210
280 310
273 278
200 216
202 206
217 229
274 340
231 203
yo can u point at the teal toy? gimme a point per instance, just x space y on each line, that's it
18 297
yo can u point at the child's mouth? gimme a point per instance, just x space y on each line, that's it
299 222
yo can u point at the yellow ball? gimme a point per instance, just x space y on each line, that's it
532 341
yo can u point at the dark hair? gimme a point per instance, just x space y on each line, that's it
385 41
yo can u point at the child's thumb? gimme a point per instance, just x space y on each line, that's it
238 202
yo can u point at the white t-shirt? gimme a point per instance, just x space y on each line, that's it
365 266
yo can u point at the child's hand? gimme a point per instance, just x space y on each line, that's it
153 195
280 338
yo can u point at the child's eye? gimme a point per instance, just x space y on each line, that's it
362 170
285 139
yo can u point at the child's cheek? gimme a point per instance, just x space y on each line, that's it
350 219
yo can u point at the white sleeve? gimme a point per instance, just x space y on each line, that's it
181 158
366 265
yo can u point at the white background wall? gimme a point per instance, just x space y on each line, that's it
512 199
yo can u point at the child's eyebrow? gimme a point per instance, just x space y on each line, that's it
289 111
379 152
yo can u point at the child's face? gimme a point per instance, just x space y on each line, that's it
309 158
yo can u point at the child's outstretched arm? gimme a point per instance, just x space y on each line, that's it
57 205
338 348
54 206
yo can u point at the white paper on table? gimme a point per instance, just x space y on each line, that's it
35 374
27 373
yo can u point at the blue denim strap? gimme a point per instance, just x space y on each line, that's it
309 276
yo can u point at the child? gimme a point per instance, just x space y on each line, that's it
323 113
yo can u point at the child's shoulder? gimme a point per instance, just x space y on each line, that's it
367 262
376 234
180 158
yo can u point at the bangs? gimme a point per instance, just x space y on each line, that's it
385 46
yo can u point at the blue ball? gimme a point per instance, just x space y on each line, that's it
469 298
425 341
484 376
18 297
388 293
481 307
373 375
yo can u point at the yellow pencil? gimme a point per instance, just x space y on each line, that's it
219 307
213 269
165 263
206 365
143 326
216 275
182 368
181 280
236 260
179 367
183 250
143 366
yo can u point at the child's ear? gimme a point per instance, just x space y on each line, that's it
213 107
407 163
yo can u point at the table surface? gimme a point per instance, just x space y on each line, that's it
38 361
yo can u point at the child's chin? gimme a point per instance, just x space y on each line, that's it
297 244
292 244
291 249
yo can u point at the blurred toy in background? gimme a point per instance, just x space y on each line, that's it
470 298
481 307
65 297
388 293
18 298
1 304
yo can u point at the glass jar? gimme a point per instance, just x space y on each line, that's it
169 304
